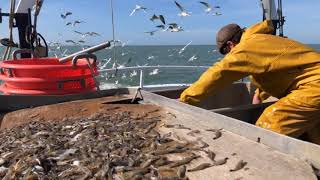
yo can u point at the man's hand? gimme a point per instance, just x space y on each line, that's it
256 99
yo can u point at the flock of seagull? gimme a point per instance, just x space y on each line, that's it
164 26
174 27
83 35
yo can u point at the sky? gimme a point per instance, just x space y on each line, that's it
302 20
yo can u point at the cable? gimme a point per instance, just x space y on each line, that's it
113 38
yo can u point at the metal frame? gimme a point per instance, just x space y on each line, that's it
299 149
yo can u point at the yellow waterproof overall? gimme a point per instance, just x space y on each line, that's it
279 67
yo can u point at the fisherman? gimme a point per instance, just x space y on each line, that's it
278 67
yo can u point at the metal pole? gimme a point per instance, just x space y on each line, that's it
280 18
141 79
113 34
89 50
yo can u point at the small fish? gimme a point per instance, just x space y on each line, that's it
217 134
183 161
213 130
149 162
203 144
191 133
182 171
211 155
241 164
162 162
176 126
220 162
169 151
200 167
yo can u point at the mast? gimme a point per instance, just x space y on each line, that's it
271 12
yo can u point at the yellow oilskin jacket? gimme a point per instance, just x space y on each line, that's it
277 65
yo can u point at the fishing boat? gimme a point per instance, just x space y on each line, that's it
268 154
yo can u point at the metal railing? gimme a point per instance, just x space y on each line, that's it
141 69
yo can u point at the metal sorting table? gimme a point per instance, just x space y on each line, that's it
275 157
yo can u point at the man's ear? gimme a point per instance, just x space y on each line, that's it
230 43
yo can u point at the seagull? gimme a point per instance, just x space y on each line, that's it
183 11
70 41
137 8
151 57
83 35
184 48
174 27
208 6
161 26
65 15
123 76
154 17
106 63
92 34
154 72
81 41
151 32
124 54
194 57
78 32
217 14
76 22
68 23
134 73
160 17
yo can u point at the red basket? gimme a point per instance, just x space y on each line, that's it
46 76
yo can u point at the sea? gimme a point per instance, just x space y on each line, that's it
128 56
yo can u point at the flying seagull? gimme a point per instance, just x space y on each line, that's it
160 17
174 27
208 6
64 16
184 48
70 41
92 34
183 11
161 26
217 14
76 22
137 8
151 32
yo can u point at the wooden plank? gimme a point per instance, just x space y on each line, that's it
300 149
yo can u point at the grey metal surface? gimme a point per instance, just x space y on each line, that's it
89 50
15 102
300 149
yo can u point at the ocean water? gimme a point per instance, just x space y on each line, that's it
193 55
